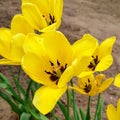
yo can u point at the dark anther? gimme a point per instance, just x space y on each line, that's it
65 66
52 19
58 63
54 77
48 72
62 69
52 64
93 65
89 80
87 88
37 32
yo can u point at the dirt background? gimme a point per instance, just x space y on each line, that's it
101 18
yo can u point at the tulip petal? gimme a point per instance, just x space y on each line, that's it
117 80
111 112
20 25
105 63
33 16
46 98
59 48
85 46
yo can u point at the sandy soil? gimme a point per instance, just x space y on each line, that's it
101 18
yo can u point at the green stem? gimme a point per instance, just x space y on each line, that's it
53 115
88 109
68 104
97 106
73 102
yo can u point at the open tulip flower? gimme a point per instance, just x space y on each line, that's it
91 85
11 47
101 58
112 112
38 16
50 60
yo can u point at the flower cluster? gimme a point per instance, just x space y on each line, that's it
47 57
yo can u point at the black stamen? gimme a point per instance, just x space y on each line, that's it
54 77
65 66
52 64
87 88
89 80
37 32
58 63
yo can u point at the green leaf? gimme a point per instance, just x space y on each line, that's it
5 79
13 106
100 109
74 106
3 85
63 109
25 116
37 115
82 113
88 109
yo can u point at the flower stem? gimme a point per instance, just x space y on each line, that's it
68 104
73 102
53 115
88 109
97 106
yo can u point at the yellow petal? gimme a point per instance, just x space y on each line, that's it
117 80
32 43
58 8
105 85
35 67
33 16
80 64
5 41
17 51
106 46
8 62
53 26
118 109
111 112
85 46
58 47
43 5
99 78
46 98
105 63
20 25
66 77
75 87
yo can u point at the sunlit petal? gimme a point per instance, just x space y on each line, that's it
33 16
46 98
105 63
20 25
117 80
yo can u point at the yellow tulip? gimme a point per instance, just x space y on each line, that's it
11 47
101 58
91 85
112 112
51 61
38 16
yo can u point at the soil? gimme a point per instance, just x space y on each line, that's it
101 18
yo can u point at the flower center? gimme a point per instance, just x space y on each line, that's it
56 72
93 63
50 19
87 87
